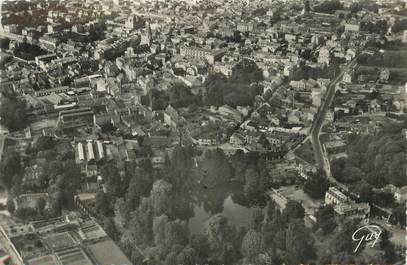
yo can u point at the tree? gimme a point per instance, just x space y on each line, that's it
102 204
171 259
399 25
316 186
10 169
140 186
160 99
12 113
159 224
251 182
253 244
236 91
271 209
216 168
10 205
26 213
215 84
326 219
4 43
398 215
44 143
293 210
187 256
257 219
110 228
221 235
53 169
388 247
112 179
299 244
364 190
246 72
181 96
307 7
337 166
343 237
176 233
40 205
141 223
352 174
201 245
328 7
63 187
256 178
161 197
397 170
279 240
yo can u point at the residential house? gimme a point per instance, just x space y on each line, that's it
171 117
400 195
237 139
324 56
33 177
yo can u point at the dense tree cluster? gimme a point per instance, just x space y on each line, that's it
238 90
63 185
178 96
44 143
399 25
316 185
216 168
378 160
27 51
328 7
12 112
325 219
385 59
378 27
364 4
307 72
150 215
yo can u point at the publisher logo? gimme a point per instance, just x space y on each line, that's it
367 233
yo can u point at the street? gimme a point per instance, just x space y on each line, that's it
5 244
321 156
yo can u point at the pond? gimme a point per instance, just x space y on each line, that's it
227 199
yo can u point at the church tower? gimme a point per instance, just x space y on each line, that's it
149 34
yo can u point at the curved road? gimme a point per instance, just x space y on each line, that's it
320 154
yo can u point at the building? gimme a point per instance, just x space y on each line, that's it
133 22
400 195
347 77
89 151
354 210
353 27
71 239
384 75
245 26
81 152
335 197
344 206
324 56
33 177
404 38
335 147
202 54
75 118
171 117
